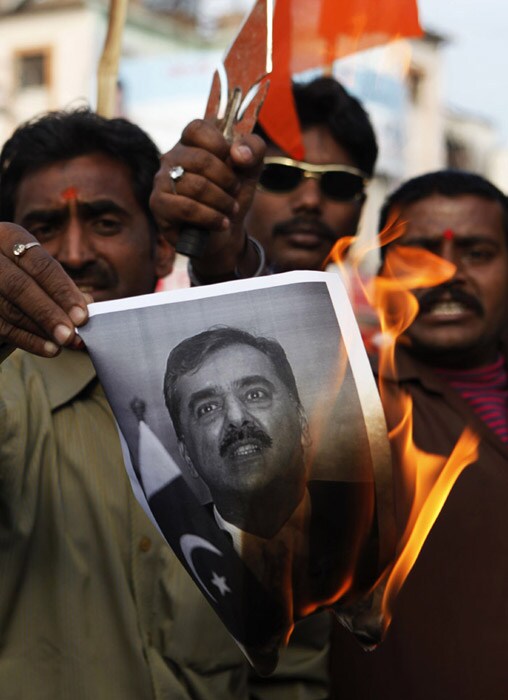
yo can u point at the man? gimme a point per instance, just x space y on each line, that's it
92 601
240 425
299 209
448 634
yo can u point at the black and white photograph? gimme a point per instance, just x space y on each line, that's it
246 438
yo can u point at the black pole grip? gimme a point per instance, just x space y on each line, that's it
192 242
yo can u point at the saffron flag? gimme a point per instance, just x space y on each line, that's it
313 33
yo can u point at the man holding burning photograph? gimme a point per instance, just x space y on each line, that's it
111 612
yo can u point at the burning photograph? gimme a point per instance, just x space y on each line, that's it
255 441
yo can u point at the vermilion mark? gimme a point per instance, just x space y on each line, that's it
69 194
448 234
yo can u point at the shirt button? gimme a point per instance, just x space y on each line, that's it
145 544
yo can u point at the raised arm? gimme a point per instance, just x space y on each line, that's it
208 183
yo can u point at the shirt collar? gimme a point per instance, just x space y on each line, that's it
410 369
298 521
65 376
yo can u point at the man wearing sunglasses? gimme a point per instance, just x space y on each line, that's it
282 214
302 208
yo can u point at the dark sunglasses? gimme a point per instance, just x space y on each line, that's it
339 182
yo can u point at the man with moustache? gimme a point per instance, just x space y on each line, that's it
299 209
447 638
109 610
241 427
234 403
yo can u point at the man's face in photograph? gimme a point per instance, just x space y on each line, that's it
241 428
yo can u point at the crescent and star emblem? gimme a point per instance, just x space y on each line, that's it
188 544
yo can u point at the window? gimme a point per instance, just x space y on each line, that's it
32 69
415 80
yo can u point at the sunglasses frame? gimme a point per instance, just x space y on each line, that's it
314 172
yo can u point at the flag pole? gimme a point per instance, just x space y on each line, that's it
107 73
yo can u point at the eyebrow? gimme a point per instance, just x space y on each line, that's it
86 209
102 206
44 215
461 240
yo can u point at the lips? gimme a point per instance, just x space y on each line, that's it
245 449
448 309
305 232
93 277
243 442
305 238
448 304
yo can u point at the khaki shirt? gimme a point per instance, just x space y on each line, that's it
93 603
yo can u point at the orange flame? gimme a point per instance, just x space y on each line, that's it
427 479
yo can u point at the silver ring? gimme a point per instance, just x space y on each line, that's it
175 173
19 249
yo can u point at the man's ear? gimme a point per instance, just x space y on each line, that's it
164 257
185 455
304 423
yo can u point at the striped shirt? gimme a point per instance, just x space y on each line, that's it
486 390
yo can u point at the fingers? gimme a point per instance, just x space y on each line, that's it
39 304
212 188
204 196
247 156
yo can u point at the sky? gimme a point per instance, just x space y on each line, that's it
476 58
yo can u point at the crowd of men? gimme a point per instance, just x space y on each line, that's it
92 601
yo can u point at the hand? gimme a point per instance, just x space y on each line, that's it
39 304
214 193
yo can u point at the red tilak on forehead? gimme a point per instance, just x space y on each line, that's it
69 194
448 234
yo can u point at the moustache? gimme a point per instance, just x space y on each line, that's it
435 295
248 431
95 274
304 223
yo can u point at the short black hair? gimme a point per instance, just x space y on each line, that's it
325 102
62 135
449 183
189 355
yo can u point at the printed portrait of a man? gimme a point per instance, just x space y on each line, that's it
255 441
240 424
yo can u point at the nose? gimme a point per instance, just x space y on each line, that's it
75 249
236 413
452 253
307 197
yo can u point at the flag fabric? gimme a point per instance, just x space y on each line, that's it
254 617
311 34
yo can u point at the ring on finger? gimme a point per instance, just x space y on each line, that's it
175 173
19 249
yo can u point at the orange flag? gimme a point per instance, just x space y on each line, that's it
313 33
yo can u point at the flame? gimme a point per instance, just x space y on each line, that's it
427 479
433 477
